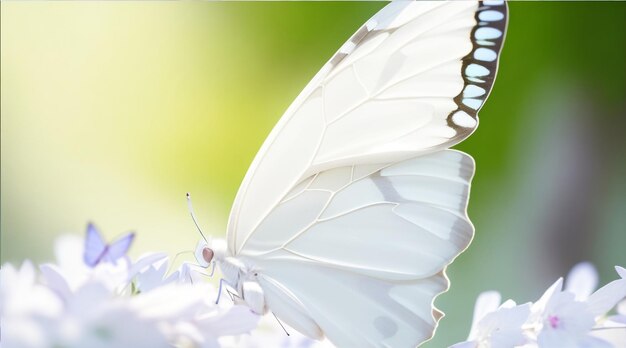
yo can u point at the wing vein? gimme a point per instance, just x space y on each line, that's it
384 89
375 31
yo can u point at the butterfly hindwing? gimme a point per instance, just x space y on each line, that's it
354 310
287 306
119 248
361 250
97 250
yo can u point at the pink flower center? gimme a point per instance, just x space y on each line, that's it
554 321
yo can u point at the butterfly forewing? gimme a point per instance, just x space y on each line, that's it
95 246
393 91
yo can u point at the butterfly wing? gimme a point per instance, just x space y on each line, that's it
95 246
119 248
352 208
408 82
363 256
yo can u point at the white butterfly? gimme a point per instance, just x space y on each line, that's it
354 206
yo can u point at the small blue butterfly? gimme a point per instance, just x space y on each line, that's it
96 250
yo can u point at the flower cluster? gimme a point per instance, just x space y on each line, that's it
571 316
95 296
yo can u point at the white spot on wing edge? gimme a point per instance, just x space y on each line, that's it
472 91
485 54
490 16
472 103
493 2
476 70
461 118
487 33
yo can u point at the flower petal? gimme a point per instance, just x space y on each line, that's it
607 297
582 280
503 328
55 280
145 261
539 307
486 302
621 271
555 339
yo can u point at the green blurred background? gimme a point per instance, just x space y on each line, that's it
112 111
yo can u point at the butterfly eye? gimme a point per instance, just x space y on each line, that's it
207 254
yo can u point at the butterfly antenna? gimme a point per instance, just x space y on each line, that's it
193 216
281 324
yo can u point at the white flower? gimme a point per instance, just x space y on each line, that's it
613 329
24 304
95 318
560 320
566 318
187 313
151 272
20 294
113 304
495 325
574 317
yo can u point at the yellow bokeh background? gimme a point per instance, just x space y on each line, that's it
111 112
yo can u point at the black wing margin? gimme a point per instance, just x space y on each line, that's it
480 65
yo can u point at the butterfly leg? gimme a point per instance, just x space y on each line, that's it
219 290
233 296
208 275
212 271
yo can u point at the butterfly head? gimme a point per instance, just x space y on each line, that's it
209 251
